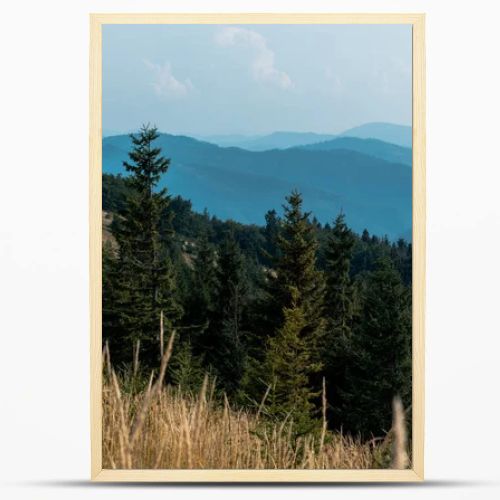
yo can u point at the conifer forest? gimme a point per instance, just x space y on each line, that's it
285 344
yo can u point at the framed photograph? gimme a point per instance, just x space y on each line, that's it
257 247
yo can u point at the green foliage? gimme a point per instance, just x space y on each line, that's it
297 292
339 298
114 193
381 353
227 353
186 370
234 183
281 305
200 305
401 256
339 311
296 270
112 328
271 232
289 364
146 281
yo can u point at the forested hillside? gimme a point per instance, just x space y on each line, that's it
277 310
369 183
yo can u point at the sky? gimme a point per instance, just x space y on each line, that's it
205 80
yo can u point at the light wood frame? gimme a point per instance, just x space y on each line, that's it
232 475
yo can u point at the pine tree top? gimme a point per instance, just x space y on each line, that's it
147 164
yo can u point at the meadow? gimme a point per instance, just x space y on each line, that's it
159 426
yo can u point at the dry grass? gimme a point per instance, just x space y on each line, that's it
399 454
161 428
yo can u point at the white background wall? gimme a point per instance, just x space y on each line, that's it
44 399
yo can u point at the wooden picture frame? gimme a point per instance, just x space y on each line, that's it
419 249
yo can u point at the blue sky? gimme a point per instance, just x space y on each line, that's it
255 79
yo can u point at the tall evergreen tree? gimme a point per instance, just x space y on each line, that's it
339 298
289 366
296 297
296 268
271 233
381 349
201 305
112 332
227 350
339 309
146 278
401 255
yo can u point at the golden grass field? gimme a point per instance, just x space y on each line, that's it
161 427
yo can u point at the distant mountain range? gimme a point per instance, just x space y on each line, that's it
368 179
371 147
399 135
276 140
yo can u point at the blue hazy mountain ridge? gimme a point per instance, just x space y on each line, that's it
371 147
238 184
276 140
400 135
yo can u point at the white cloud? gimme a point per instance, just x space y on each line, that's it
263 68
165 84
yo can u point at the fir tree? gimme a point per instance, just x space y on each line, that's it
296 296
201 305
339 299
112 333
339 309
381 350
146 277
401 256
271 233
186 369
227 351
296 271
290 366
